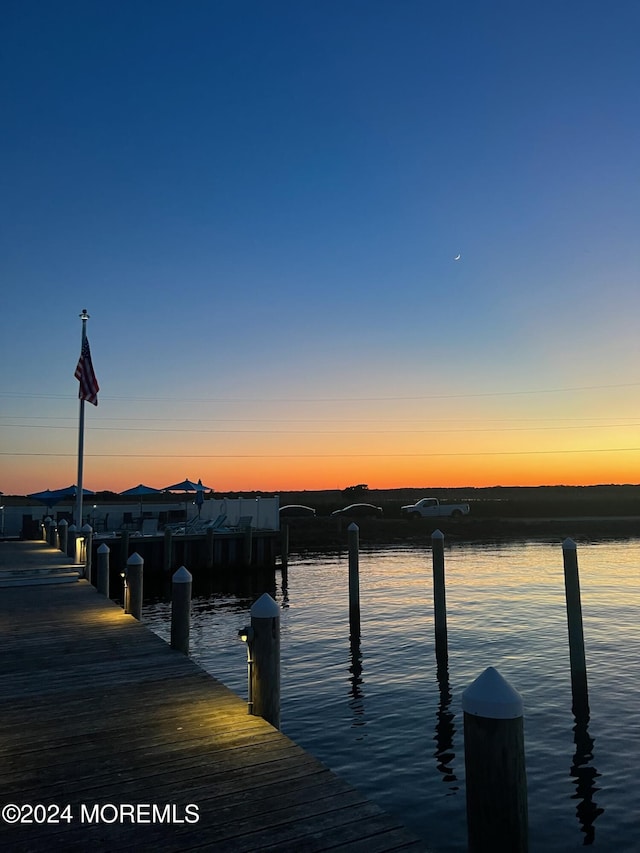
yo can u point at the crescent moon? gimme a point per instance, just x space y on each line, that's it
457 257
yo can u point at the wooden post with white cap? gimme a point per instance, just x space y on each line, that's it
182 582
265 656
496 782
135 565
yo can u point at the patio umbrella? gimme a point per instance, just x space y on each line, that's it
72 492
47 497
200 497
51 497
140 491
187 486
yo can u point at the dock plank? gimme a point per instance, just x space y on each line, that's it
95 709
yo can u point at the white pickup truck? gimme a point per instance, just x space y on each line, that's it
432 508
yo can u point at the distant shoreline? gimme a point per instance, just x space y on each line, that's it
311 533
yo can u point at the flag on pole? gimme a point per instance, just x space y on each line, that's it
84 374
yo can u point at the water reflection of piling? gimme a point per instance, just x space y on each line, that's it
445 730
584 775
285 588
356 701
355 668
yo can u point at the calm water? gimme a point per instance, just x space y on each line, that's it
378 717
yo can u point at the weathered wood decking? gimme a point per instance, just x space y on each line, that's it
96 709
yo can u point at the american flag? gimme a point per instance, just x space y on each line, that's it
84 374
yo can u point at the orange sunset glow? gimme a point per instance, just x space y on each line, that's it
382 444
397 248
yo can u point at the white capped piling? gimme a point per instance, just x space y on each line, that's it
353 532
135 566
496 782
87 534
102 574
181 585
63 533
577 658
72 533
265 657
439 598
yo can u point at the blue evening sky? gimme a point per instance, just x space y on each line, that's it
260 203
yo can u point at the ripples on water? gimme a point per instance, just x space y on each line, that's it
379 714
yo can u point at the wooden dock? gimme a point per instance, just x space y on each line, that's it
128 744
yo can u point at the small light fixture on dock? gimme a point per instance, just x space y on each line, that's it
125 591
246 635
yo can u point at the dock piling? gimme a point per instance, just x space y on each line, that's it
63 532
353 532
168 549
497 814
209 549
124 547
103 569
577 657
72 532
135 566
265 658
439 599
181 586
247 545
284 546
86 539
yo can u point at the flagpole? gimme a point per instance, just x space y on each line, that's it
84 317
